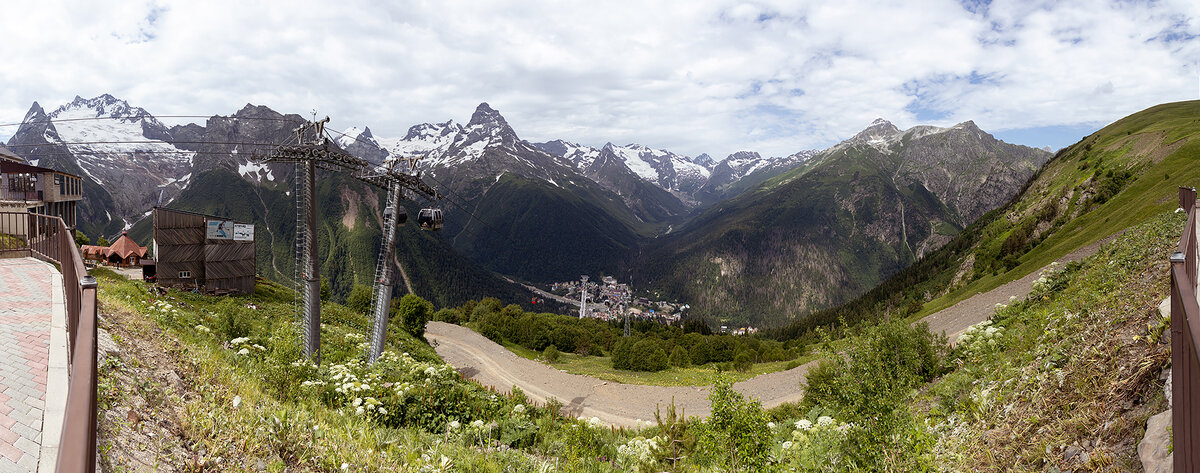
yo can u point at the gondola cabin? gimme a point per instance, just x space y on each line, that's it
430 219
401 215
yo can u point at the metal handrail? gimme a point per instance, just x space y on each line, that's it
1185 343
48 238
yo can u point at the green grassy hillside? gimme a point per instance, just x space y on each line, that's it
1111 180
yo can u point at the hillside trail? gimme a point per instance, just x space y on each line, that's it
627 405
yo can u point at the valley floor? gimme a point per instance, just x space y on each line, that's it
619 404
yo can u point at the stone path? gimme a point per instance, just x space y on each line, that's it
30 290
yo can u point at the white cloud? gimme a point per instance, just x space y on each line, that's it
701 76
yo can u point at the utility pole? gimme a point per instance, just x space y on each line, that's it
583 293
622 306
623 297
308 156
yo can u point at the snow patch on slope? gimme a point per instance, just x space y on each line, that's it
255 170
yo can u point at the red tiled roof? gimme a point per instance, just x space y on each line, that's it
124 247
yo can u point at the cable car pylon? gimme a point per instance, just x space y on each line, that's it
308 155
394 215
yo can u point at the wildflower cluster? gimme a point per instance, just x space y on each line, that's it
164 308
980 337
813 445
639 452
244 346
358 339
1048 281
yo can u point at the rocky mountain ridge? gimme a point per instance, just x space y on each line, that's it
833 227
554 210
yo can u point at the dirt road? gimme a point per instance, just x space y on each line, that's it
619 404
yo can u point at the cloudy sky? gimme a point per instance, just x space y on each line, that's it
690 76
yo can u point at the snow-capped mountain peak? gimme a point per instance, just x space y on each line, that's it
114 144
104 106
490 123
35 113
705 160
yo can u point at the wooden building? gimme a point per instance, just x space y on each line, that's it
211 253
123 253
28 188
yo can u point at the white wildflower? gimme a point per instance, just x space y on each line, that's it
824 421
519 408
804 424
454 425
787 444
244 351
771 425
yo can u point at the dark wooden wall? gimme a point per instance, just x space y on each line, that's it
216 265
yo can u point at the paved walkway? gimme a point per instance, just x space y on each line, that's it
31 302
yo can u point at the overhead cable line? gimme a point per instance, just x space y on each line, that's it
53 120
447 195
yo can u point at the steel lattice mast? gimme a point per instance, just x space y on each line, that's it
396 183
308 156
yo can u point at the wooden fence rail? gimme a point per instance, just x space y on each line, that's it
48 238
1185 343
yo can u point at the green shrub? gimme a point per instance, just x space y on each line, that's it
450 316
646 354
359 299
414 313
736 434
231 325
743 362
679 357
550 354
869 387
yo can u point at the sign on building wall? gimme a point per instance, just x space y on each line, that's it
243 232
219 230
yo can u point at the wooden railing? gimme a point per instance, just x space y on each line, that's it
1185 344
48 238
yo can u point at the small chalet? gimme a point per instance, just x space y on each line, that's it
122 253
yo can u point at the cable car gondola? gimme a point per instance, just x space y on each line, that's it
430 219
400 214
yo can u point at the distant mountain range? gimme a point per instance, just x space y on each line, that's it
838 224
555 210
